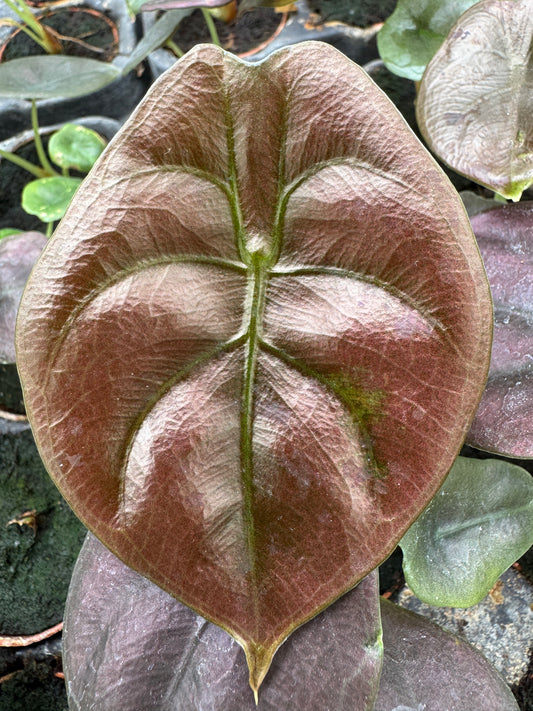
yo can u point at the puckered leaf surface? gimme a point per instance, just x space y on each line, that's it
475 104
504 420
255 343
333 662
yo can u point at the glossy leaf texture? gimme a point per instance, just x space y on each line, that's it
414 32
129 646
18 254
52 76
475 104
504 420
425 668
266 330
475 527
76 147
49 198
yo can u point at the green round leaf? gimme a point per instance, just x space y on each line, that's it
475 104
6 231
413 33
75 147
267 327
48 198
476 526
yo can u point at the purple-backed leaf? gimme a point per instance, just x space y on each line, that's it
504 420
426 668
18 254
475 104
129 646
255 343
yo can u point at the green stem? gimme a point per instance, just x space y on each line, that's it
34 28
25 164
49 171
49 229
211 26
174 48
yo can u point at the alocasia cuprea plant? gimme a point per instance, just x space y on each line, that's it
265 333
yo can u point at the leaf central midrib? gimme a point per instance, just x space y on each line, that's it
256 304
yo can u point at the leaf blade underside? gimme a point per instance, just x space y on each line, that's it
235 377
478 120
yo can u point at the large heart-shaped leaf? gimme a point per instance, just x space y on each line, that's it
504 420
479 522
116 620
265 331
18 254
425 668
413 33
475 104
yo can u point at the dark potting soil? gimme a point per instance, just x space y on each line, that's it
361 13
243 35
40 537
12 181
31 677
82 32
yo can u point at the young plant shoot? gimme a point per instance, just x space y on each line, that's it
72 147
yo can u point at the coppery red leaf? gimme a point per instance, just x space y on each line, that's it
255 343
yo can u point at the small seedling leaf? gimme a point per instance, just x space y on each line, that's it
6 231
75 147
48 198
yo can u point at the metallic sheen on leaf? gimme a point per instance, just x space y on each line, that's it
255 343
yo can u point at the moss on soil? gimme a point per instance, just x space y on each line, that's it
36 561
